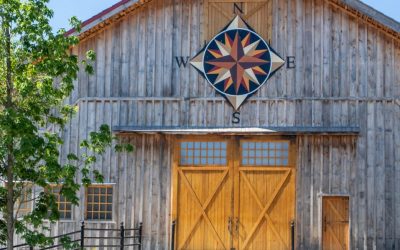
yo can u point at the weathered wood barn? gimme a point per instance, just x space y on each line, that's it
310 159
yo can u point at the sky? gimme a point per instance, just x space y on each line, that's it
84 9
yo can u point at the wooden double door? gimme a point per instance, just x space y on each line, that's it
233 193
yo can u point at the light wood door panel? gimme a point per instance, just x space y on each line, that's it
203 209
203 191
335 232
265 177
266 208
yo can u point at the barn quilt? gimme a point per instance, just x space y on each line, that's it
237 62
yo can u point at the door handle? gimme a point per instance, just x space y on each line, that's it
237 225
230 225
292 225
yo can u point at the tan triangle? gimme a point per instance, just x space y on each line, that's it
237 23
225 51
251 47
276 62
197 62
223 75
236 100
250 74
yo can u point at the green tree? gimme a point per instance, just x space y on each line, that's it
31 100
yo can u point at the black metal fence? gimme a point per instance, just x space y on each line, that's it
128 237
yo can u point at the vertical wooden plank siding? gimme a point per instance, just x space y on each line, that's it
347 75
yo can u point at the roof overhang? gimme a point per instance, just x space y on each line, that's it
235 130
123 7
373 14
98 21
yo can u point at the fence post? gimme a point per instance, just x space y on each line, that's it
83 235
140 235
122 236
30 248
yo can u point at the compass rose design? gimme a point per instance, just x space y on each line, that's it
237 62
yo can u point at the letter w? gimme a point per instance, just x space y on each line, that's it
182 61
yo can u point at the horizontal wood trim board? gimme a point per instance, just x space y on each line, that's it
221 99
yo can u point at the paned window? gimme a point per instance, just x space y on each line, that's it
24 202
64 206
99 202
265 153
203 153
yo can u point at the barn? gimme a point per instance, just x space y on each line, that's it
257 124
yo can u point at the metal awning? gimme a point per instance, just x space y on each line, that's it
175 130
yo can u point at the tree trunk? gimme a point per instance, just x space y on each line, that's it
10 147
10 202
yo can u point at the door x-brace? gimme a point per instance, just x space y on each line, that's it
203 208
264 212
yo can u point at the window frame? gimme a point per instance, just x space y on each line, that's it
17 205
58 203
204 140
98 185
289 157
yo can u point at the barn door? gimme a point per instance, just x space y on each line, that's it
233 193
258 13
335 233
203 191
266 186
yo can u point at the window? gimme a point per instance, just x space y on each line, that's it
265 153
24 202
99 202
64 206
203 153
